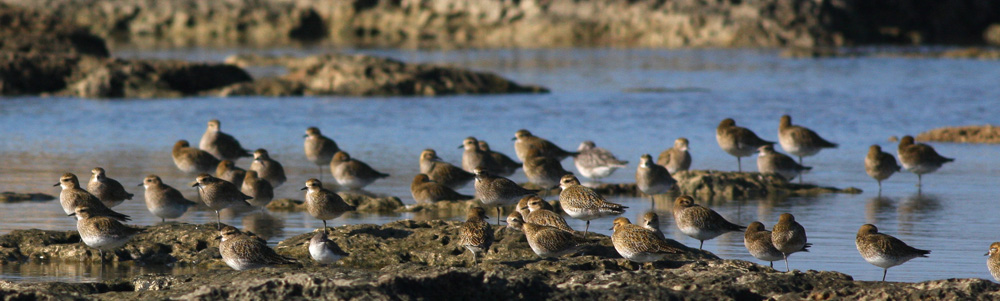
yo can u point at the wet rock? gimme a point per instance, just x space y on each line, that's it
711 184
339 74
117 78
963 134
171 243
286 205
13 197
435 243
28 31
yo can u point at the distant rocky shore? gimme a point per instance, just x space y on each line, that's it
43 55
963 134
410 259
532 23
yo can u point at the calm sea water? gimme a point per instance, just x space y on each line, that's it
856 102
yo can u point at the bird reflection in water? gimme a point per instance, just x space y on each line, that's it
263 224
877 208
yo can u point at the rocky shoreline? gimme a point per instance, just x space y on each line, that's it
988 134
422 259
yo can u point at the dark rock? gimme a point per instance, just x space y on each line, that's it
34 73
118 78
362 203
29 31
963 134
337 74
710 184
13 197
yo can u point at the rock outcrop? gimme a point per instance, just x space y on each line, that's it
963 134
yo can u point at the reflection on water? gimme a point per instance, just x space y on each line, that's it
854 102
82 272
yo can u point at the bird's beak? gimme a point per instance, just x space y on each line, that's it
218 237
71 214
987 254
612 228
512 139
304 188
461 146
305 136
195 184
140 184
57 184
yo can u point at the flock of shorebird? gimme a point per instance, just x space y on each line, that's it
546 230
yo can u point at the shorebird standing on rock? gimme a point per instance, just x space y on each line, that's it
993 262
244 252
164 201
324 250
498 191
443 172
919 158
677 157
584 203
72 196
738 141
545 241
101 232
476 234
221 145
699 222
883 250
425 191
637 244
880 165
322 203
108 190
352 173
258 188
596 163
758 242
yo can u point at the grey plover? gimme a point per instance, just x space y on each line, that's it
800 141
637 244
443 172
228 171
164 201
244 252
651 221
652 178
515 220
772 162
267 168
218 194
221 145
758 242
596 163
919 158
676 158
319 149
424 190
72 196
883 250
699 222
498 191
738 141
540 212
324 250
108 190
880 165
351 173
525 141
324 204
543 171
507 166
788 236
473 157
476 234
584 203
993 262
546 241
102 232
259 189
193 160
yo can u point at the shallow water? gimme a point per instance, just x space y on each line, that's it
629 101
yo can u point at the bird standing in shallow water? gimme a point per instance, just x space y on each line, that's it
596 163
218 194
584 203
164 201
507 165
108 190
738 141
193 160
352 173
676 158
72 196
221 145
267 168
228 171
800 141
319 149
525 141
498 191
772 162
880 165
919 158
883 250
443 172
699 222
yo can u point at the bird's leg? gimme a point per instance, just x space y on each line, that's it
586 229
884 271
739 164
880 188
701 244
218 220
498 215
324 225
786 262
772 264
